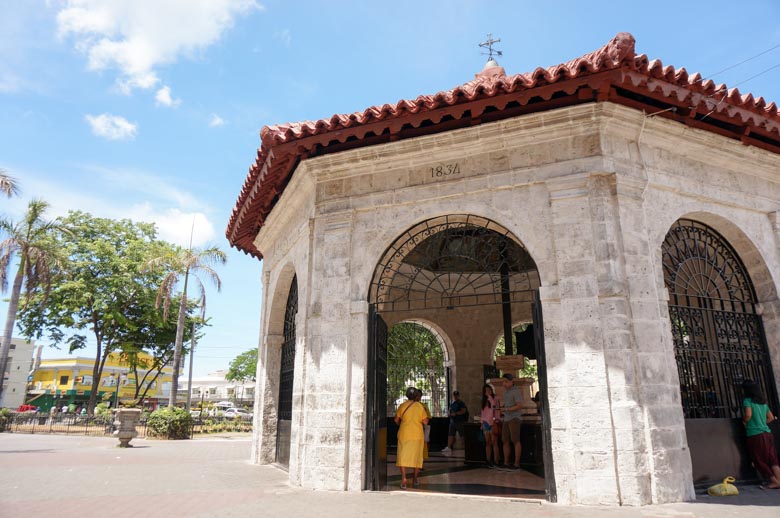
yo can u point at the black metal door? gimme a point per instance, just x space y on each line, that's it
376 403
718 343
541 368
286 378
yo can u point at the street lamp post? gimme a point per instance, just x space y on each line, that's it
116 393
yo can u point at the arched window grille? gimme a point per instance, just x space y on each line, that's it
718 336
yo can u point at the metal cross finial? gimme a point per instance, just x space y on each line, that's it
489 45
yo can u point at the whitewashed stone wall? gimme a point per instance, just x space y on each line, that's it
590 192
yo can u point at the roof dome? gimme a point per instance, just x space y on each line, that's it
491 69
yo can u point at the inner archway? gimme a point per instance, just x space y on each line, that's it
470 277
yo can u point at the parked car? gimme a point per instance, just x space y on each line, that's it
237 412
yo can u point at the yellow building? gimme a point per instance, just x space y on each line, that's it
68 381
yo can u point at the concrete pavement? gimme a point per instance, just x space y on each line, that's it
84 477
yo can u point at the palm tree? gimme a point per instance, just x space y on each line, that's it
8 184
31 240
182 266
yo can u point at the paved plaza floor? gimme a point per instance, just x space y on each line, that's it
65 476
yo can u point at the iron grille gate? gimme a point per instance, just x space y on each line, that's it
541 362
719 342
415 358
376 403
286 378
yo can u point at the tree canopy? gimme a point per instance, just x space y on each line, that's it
243 367
31 241
182 265
102 292
415 357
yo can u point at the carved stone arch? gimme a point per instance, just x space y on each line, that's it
451 260
533 242
278 300
443 337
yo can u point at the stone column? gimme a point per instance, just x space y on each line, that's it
266 399
357 356
658 425
770 311
583 442
770 317
629 426
326 379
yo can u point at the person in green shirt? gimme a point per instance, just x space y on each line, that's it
756 417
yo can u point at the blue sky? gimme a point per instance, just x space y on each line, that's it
151 109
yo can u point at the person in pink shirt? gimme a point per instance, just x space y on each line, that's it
488 418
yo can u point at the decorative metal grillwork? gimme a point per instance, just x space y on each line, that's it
415 358
454 260
287 372
718 337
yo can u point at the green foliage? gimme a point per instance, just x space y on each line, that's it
183 265
5 419
8 184
102 409
171 423
415 356
243 367
30 241
102 291
104 413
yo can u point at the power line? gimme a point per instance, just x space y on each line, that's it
741 63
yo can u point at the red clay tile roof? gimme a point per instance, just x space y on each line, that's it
613 73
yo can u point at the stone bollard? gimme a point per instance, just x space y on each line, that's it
125 420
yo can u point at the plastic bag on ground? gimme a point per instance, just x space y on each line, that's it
725 488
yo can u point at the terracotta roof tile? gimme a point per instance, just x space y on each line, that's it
614 72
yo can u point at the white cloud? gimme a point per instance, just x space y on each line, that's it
284 36
10 82
112 127
174 225
163 98
136 37
216 121
121 193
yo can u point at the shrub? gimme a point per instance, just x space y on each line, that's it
5 419
103 413
172 423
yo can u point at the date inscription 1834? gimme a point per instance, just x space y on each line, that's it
441 171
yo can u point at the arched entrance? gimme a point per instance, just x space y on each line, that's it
286 378
719 342
416 355
466 274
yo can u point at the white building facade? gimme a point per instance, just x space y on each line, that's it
20 363
214 387
640 237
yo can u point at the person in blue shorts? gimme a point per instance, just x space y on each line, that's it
458 415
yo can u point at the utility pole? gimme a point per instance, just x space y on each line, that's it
189 380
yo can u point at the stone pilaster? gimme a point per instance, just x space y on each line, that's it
578 382
662 458
630 453
770 317
266 399
357 356
327 370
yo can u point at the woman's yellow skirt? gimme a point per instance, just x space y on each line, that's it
410 453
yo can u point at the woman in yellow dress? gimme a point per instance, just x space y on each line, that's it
418 397
410 417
